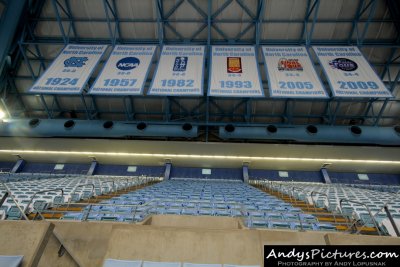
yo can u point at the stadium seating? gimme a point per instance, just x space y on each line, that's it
196 198
40 191
356 200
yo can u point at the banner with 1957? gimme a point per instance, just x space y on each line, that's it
126 71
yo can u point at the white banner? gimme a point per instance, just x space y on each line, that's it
349 74
291 73
179 71
234 72
70 71
125 71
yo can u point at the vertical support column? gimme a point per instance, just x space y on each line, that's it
167 173
245 170
325 175
92 168
18 166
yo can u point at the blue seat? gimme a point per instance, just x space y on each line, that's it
274 216
222 213
11 261
325 227
58 200
75 197
121 263
303 226
201 265
173 211
308 218
161 264
278 225
189 212
205 212
14 213
257 223
73 216
40 205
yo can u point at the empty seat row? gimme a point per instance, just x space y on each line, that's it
202 198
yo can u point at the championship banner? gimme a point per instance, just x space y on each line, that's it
125 71
291 73
179 71
234 72
349 74
70 71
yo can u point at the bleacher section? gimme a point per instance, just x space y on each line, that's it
95 198
38 192
351 201
203 198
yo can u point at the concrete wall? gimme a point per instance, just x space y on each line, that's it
24 238
216 173
194 222
161 238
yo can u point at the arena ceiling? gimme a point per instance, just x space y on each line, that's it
47 25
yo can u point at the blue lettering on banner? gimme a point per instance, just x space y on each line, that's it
128 63
180 64
75 62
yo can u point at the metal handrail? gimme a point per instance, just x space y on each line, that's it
292 192
84 185
44 191
327 197
384 207
15 202
369 211
110 181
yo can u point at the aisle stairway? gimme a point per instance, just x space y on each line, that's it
342 223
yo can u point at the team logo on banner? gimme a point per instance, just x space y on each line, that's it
128 63
285 64
180 63
343 64
75 62
234 65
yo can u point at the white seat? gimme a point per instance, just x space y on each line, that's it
201 265
121 263
161 264
10 261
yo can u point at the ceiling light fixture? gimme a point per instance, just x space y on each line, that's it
222 157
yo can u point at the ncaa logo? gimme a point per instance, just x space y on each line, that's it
128 63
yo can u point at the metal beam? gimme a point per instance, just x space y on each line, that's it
8 25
